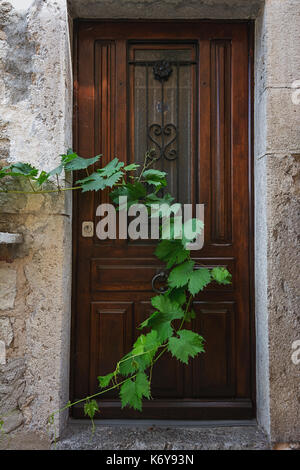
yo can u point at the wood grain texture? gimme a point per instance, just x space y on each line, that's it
112 279
221 130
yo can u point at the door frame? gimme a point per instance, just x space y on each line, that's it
75 233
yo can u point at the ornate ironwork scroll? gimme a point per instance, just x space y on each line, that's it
169 130
163 135
162 90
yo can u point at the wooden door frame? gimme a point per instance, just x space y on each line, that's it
75 232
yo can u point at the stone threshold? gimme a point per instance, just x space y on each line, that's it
163 436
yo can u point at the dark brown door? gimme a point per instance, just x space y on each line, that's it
198 120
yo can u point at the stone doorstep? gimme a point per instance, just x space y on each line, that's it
158 437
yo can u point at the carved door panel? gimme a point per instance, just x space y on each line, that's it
182 89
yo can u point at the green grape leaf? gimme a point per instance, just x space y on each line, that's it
105 177
21 169
113 179
122 191
136 190
112 167
156 321
169 310
172 252
178 295
221 275
127 365
142 385
179 276
155 177
164 329
152 173
199 278
56 171
189 344
133 191
133 390
104 380
141 355
145 348
43 176
68 157
65 159
129 396
132 166
80 163
90 408
96 181
190 315
146 323
152 198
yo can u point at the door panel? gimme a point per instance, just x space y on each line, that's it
215 372
114 318
171 371
195 113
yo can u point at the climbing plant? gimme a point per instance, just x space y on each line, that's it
132 374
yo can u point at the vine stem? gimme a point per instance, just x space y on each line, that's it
30 182
68 405
186 311
117 384
146 165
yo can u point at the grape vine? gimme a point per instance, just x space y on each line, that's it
132 375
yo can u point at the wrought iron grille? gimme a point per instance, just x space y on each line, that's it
163 135
165 115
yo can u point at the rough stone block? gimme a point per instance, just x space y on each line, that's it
12 384
8 287
2 353
282 36
12 421
6 331
282 121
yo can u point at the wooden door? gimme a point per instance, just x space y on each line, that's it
199 119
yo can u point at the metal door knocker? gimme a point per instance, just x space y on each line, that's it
162 276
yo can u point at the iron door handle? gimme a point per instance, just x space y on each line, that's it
162 276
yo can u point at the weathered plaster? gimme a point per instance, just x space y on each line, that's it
35 126
8 287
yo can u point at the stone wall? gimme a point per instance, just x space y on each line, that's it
277 209
277 176
35 126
